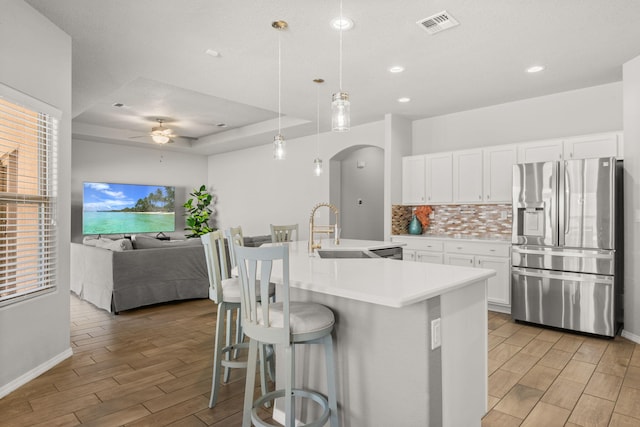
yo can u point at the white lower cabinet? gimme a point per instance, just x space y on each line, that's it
491 255
467 253
421 250
498 293
426 256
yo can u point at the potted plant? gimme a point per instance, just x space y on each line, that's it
199 212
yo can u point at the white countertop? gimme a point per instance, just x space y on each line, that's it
381 281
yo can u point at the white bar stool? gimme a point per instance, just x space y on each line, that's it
282 323
226 293
283 233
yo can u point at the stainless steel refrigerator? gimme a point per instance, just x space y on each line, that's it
567 258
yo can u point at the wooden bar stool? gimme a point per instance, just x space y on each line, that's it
284 233
284 323
225 292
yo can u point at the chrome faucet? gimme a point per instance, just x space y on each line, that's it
326 229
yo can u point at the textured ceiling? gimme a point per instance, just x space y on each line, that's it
150 56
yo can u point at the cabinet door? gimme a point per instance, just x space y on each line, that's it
413 180
591 146
459 259
408 255
499 288
467 176
439 178
498 173
540 151
432 257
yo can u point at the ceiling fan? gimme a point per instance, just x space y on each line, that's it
160 134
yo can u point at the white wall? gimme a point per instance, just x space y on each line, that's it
362 221
254 190
631 78
100 162
36 60
591 110
398 143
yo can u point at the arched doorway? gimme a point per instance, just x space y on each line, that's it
357 190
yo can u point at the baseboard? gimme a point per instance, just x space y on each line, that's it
630 336
500 308
34 373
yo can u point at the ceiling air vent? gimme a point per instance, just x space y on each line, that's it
438 22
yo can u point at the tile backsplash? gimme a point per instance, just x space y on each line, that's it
458 220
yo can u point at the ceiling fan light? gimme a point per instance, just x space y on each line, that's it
160 138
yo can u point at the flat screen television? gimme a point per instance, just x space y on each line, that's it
110 208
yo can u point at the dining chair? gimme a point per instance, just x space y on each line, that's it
225 291
284 323
284 233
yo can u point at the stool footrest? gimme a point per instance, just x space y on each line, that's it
308 394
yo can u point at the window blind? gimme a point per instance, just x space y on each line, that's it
28 194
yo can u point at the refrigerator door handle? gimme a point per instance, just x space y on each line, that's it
566 203
561 275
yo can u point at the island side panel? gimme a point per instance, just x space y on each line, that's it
464 355
382 358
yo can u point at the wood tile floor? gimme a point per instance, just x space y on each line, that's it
544 377
144 367
152 367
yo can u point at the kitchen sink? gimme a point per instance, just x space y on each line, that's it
329 253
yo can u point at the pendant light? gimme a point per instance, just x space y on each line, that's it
317 162
279 144
340 105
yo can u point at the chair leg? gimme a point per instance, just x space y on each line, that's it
250 383
239 334
263 370
227 370
289 399
331 380
217 356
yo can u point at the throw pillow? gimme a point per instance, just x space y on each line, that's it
146 242
114 245
90 240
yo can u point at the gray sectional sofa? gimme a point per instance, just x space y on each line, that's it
121 274
118 276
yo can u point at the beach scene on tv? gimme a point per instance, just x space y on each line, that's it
109 208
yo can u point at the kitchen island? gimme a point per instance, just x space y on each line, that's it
390 372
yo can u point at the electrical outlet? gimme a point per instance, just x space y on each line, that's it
436 339
503 215
359 201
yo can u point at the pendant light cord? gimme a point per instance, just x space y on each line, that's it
279 80
318 120
340 62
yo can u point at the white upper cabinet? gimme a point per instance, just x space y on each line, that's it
591 146
498 173
540 151
467 176
413 180
484 175
439 178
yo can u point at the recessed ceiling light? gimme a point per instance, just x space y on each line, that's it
212 52
396 69
341 23
535 69
404 99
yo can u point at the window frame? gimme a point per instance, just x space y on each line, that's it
46 199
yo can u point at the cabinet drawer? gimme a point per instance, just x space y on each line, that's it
417 243
477 248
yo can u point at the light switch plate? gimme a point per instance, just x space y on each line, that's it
436 339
